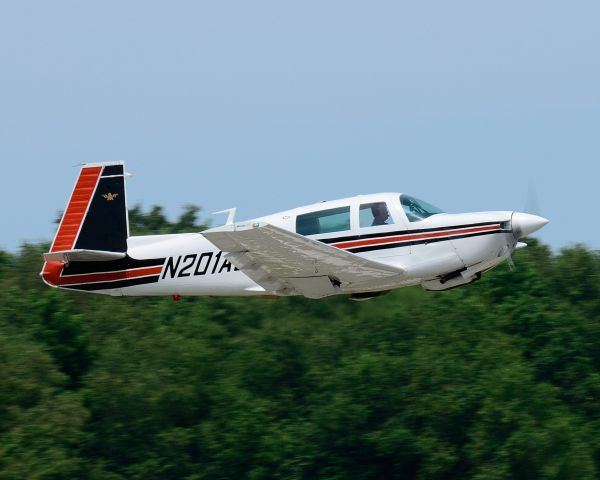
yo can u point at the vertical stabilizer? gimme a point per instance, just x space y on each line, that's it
96 215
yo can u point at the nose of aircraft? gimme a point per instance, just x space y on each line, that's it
524 224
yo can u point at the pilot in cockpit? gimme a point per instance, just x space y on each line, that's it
380 214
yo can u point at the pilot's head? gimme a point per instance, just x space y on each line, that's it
379 212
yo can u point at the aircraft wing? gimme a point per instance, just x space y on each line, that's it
286 263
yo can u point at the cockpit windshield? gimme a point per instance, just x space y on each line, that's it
416 209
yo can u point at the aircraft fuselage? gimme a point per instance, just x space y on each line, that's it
399 241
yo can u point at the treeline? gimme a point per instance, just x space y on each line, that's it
496 380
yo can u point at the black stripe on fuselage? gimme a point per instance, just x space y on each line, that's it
127 263
369 248
114 284
351 238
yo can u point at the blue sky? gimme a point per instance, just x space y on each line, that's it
270 105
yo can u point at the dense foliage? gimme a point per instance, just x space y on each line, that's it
495 380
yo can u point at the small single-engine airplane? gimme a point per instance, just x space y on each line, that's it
363 246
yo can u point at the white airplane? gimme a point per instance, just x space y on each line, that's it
363 246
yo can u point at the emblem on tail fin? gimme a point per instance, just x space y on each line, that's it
110 196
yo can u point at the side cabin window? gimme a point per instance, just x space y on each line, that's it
374 214
325 221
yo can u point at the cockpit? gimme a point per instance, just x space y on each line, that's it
364 214
416 209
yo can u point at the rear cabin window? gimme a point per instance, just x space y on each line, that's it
325 221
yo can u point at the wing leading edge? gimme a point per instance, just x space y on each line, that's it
286 263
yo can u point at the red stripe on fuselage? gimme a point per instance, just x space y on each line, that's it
414 236
107 277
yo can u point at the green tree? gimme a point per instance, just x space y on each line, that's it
495 380
155 221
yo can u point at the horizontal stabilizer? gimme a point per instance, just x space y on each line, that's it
80 255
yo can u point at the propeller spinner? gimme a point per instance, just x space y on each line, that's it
524 224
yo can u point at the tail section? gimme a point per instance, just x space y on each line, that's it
94 226
95 219
89 252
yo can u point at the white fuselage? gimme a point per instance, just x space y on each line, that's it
455 245
364 246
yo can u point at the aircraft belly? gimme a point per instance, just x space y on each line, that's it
382 284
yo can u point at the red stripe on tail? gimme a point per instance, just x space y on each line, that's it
76 208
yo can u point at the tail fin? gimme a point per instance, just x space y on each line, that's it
95 219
